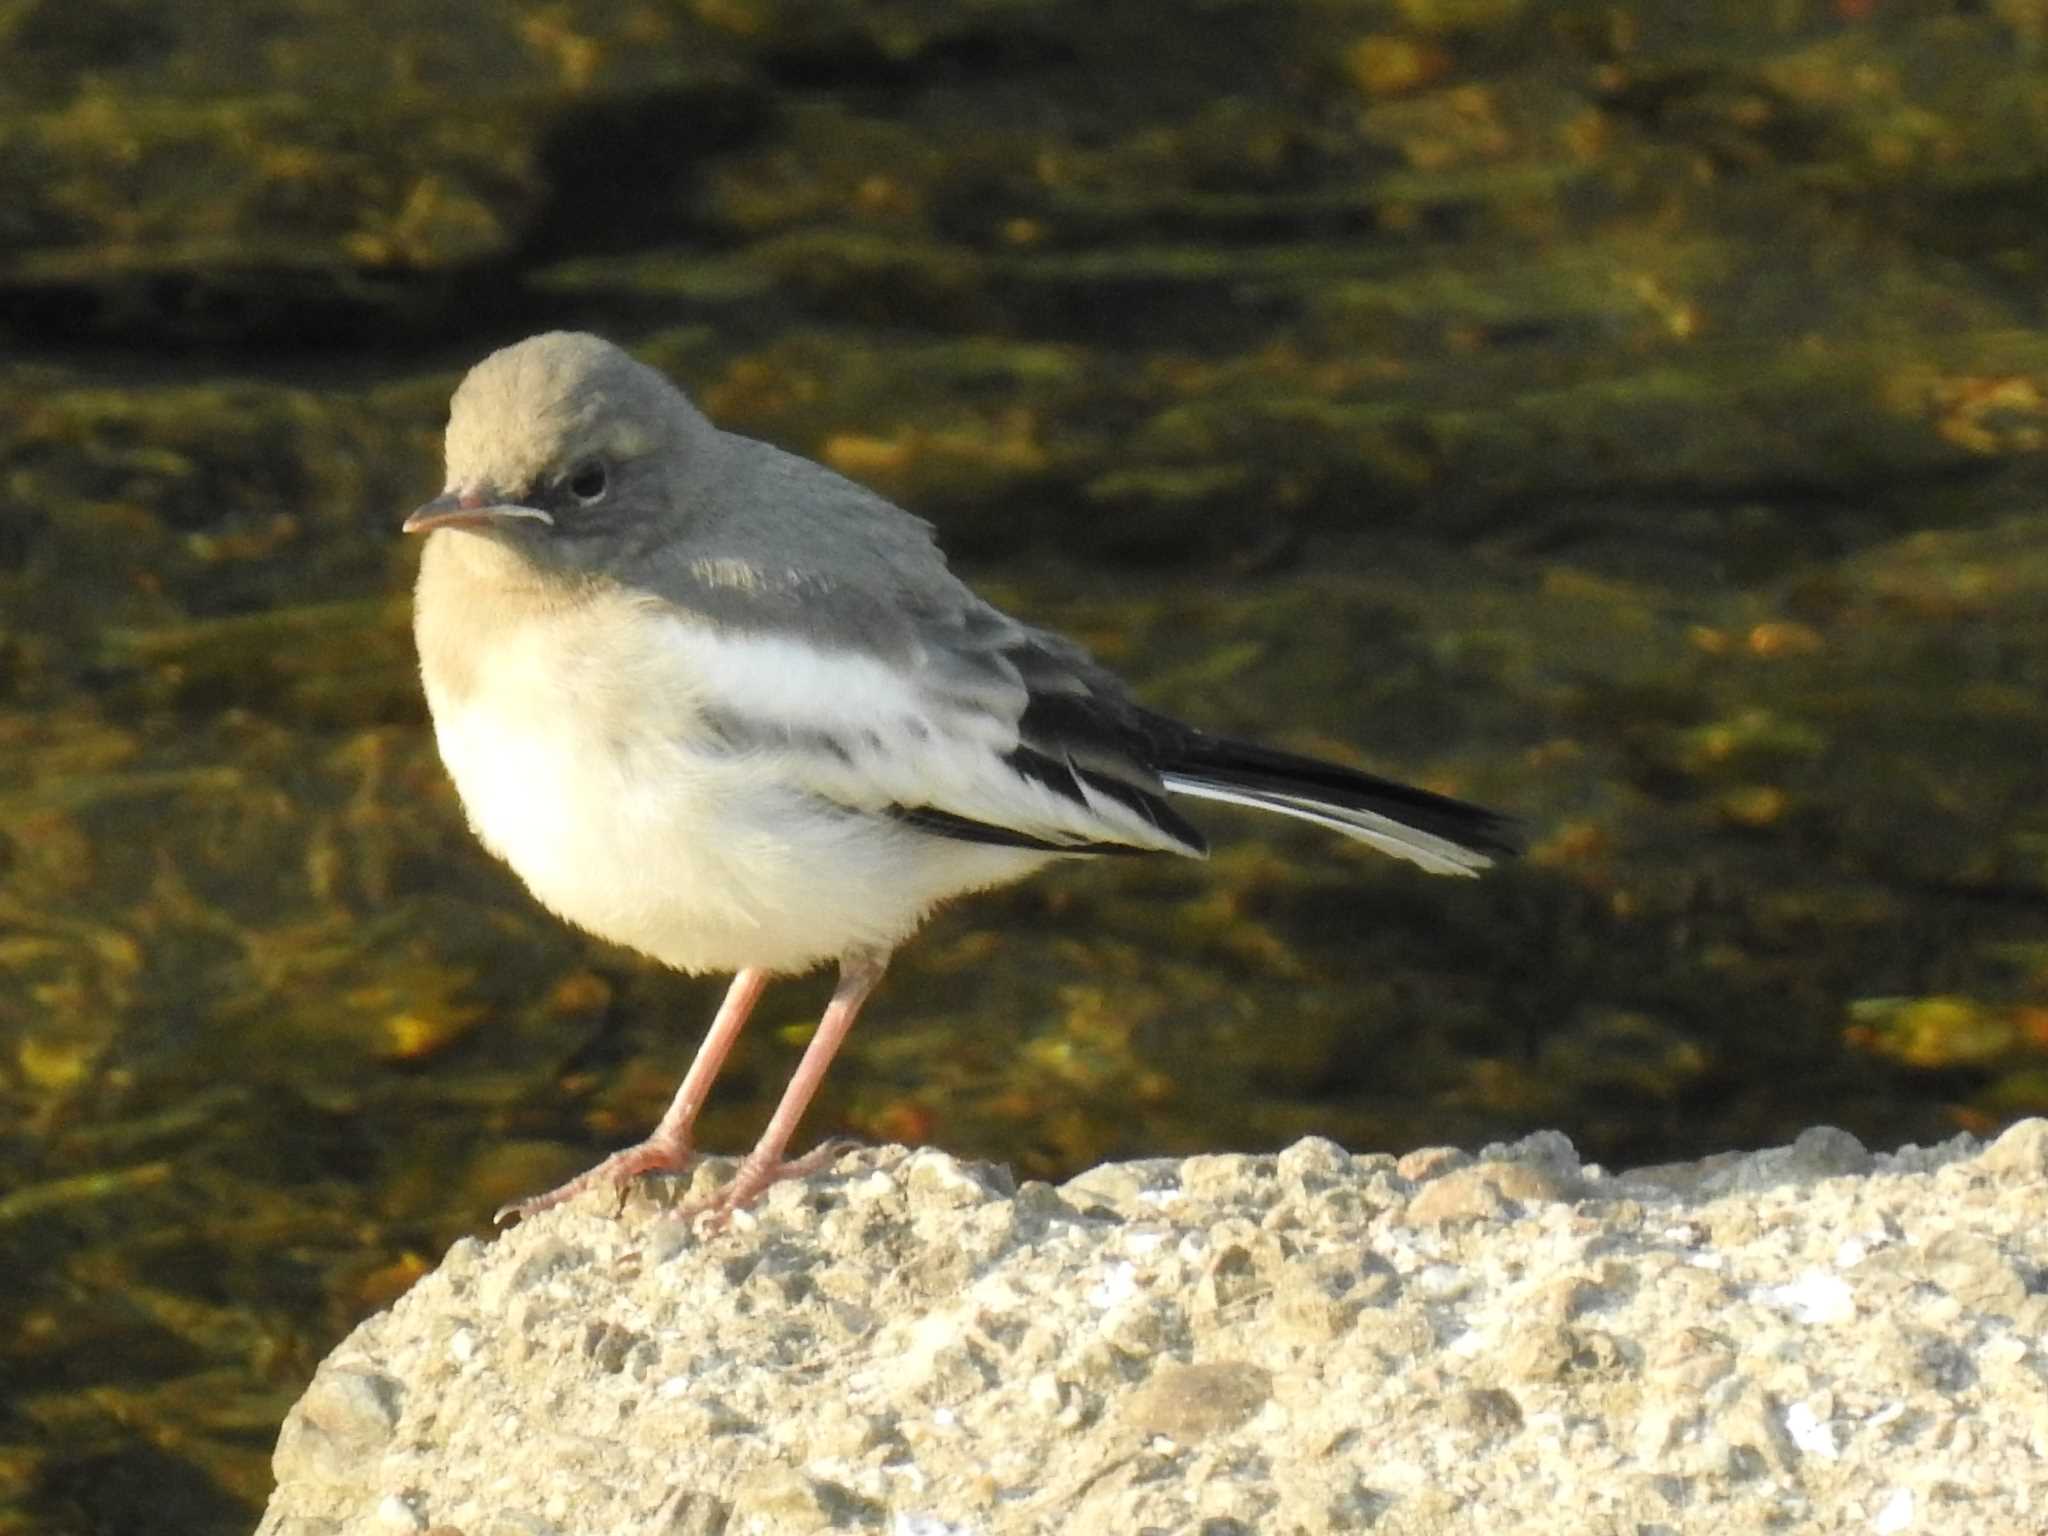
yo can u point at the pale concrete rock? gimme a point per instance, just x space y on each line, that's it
1814 1337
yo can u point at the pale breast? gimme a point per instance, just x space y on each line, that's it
575 740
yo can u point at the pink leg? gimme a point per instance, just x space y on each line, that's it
858 974
667 1149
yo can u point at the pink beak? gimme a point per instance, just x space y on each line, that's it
467 509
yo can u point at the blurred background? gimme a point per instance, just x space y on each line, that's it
1628 415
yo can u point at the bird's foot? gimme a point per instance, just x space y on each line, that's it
755 1175
654 1155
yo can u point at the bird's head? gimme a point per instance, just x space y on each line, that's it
566 449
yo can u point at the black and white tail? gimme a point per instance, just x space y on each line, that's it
1441 835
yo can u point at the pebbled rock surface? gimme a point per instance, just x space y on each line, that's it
1813 1338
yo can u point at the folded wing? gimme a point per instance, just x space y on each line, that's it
954 748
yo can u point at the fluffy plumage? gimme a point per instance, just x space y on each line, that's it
724 706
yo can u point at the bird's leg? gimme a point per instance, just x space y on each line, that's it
667 1148
765 1165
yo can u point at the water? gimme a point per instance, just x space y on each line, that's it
1631 420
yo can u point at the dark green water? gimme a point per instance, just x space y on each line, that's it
1630 416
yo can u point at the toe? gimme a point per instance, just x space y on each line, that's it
618 1171
752 1179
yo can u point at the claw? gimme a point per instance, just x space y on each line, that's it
654 1155
751 1179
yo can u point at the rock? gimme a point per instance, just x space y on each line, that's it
689 1512
1483 1191
1227 1345
1190 1403
1973 1270
343 1422
2020 1153
1487 1413
777 1498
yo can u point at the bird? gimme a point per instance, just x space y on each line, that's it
716 703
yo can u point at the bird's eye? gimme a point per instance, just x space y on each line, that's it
587 480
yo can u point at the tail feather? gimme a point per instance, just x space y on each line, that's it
1441 835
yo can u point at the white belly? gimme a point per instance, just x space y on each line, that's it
589 780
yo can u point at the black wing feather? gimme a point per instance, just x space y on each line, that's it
965 829
1081 735
1247 765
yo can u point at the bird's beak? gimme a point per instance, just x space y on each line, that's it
467 509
